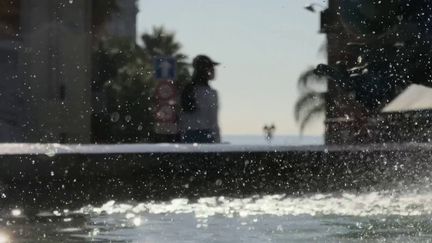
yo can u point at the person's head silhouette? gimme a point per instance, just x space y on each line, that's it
204 68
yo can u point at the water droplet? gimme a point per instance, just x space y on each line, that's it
4 238
218 182
16 212
115 117
128 118
137 221
50 153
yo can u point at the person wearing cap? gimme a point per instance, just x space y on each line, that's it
199 105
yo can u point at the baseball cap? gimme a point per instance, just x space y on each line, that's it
203 61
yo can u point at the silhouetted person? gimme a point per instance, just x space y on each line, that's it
199 103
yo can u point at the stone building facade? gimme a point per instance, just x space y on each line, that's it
45 66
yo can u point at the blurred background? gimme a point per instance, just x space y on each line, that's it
77 71
112 71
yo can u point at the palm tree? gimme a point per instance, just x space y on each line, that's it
311 103
125 74
160 42
122 78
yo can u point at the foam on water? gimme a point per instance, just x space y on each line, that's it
412 203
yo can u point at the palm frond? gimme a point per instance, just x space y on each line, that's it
161 42
307 100
307 77
316 111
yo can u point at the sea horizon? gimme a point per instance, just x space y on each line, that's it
289 140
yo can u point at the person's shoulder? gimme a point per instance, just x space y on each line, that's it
211 89
206 89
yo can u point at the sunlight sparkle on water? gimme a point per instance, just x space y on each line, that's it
137 221
348 204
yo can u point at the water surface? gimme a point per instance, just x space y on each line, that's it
384 216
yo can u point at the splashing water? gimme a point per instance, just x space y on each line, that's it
402 215
344 204
396 215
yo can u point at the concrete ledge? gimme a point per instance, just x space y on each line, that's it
52 175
